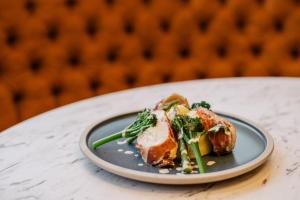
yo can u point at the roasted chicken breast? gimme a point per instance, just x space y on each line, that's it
157 145
221 133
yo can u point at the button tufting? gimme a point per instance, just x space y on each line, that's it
148 54
185 1
110 2
166 78
223 2
260 2
94 84
112 56
222 51
52 32
56 90
203 25
294 52
130 79
240 23
278 25
30 6
70 3
256 49
74 59
18 96
165 25
11 37
184 52
128 28
36 64
146 2
91 27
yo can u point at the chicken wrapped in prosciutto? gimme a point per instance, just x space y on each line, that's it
157 144
221 133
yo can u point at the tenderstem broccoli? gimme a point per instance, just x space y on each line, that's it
144 120
189 129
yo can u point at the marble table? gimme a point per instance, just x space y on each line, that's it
40 157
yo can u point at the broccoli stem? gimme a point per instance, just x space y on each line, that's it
199 160
185 160
107 139
190 128
131 140
196 151
145 119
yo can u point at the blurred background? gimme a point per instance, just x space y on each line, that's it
54 52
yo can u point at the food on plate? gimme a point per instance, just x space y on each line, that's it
169 102
157 144
173 133
221 133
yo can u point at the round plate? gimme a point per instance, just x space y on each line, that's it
253 147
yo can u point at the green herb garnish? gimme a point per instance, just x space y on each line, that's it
202 104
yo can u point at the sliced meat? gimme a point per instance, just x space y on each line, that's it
223 139
157 144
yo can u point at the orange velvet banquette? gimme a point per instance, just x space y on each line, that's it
53 52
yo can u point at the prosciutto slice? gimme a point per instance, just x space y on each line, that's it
221 133
157 145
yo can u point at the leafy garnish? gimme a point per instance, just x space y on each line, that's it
202 104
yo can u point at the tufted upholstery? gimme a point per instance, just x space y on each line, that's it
59 51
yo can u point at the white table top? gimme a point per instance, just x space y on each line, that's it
40 158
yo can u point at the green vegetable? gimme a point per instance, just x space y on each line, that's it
144 120
190 130
169 105
202 104
185 159
131 140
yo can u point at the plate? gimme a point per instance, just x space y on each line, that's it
253 147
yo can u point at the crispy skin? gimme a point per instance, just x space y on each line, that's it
222 142
182 100
161 154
